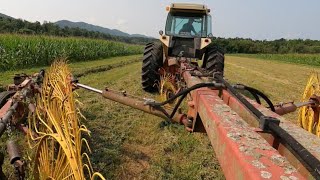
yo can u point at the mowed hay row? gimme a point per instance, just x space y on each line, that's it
20 51
307 59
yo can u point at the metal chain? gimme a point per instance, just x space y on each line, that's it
9 129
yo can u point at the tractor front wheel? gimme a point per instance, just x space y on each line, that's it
152 62
214 61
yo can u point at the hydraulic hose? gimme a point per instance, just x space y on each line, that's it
186 91
183 94
256 93
177 105
256 97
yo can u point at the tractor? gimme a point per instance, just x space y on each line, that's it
187 35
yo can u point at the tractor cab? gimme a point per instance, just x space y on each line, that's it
186 37
190 25
187 30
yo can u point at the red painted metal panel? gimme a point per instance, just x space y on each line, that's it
5 108
308 140
242 153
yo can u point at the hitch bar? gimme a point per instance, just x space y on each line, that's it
140 104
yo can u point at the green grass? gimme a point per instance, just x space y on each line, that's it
130 144
21 51
307 59
280 81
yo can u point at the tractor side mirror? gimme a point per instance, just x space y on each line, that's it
161 32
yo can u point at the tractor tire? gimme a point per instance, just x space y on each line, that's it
214 60
4 96
152 62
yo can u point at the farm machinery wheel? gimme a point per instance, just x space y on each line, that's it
213 60
308 115
4 96
56 130
152 61
167 88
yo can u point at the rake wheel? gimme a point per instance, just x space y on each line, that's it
167 88
57 130
308 120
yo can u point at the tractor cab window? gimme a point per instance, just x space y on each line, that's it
188 26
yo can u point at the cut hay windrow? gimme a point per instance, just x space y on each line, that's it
307 59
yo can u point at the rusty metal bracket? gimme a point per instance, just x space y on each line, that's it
15 159
266 120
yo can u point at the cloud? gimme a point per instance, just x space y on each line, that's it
92 20
122 24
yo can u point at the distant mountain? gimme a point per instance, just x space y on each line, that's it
90 27
140 35
5 16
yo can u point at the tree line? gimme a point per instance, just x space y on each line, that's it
19 26
230 45
280 46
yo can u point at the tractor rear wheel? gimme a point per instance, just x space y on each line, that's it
152 61
214 60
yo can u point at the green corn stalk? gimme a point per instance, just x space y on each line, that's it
22 51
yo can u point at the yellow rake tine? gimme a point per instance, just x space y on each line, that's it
58 127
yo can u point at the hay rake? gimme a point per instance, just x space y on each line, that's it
53 129
250 140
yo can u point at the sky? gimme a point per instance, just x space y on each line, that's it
256 19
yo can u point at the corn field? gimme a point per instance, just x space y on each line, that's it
17 51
